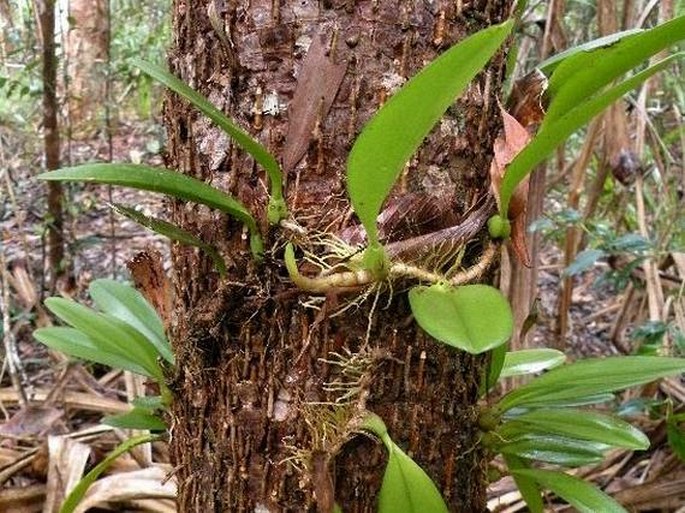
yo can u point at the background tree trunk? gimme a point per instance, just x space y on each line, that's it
87 50
45 10
250 432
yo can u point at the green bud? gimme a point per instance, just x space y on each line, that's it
499 227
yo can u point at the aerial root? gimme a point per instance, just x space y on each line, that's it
354 279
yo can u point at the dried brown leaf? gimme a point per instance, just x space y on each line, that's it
8 455
75 400
67 461
146 483
147 271
31 420
513 139
525 102
317 84
22 283
27 499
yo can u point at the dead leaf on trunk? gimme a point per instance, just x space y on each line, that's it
526 101
150 279
317 85
526 110
513 139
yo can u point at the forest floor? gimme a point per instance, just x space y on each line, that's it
69 399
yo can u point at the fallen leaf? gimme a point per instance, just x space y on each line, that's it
147 483
31 421
25 499
67 461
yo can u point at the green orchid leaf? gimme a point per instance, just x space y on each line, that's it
79 491
558 450
173 232
578 424
591 377
553 134
374 424
574 402
583 74
549 65
473 318
108 333
392 136
277 208
127 304
137 418
149 402
583 496
74 343
497 360
529 489
531 361
405 487
164 181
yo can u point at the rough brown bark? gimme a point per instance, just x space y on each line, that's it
250 432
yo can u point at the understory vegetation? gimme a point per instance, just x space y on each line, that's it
576 299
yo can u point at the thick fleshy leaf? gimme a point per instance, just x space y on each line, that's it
531 361
558 450
77 494
74 343
374 424
579 424
553 134
548 66
474 318
242 138
163 181
392 136
149 402
497 357
108 333
581 495
529 489
137 418
173 232
407 488
575 402
127 304
582 74
591 377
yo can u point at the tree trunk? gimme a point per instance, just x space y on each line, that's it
256 422
51 139
87 51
